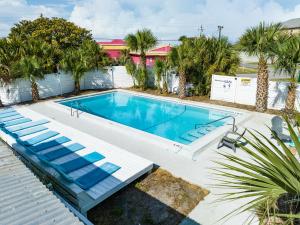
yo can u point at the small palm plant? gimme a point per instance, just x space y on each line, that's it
131 69
159 70
269 179
141 42
260 41
287 58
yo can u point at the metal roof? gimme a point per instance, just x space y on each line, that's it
291 24
23 197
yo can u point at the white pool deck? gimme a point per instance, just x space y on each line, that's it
196 171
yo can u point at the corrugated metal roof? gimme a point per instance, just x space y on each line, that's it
24 199
292 24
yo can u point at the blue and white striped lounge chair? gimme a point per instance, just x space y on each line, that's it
76 164
16 122
37 139
58 153
50 144
28 131
26 126
96 175
10 118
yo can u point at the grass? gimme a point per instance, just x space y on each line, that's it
157 198
245 70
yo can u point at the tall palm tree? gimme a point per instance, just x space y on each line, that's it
259 41
141 42
181 59
287 57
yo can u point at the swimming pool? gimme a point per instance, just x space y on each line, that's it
168 119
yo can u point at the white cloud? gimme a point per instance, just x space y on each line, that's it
12 11
173 18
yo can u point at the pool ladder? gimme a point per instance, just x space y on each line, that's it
75 110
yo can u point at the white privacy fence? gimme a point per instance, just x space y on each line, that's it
242 90
60 83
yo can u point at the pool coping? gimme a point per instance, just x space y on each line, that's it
190 151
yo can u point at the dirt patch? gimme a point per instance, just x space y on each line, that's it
157 198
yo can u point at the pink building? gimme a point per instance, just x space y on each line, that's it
115 47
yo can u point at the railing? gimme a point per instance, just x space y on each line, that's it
225 117
78 108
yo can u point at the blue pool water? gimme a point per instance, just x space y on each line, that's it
166 119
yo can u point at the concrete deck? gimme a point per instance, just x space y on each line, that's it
24 199
197 172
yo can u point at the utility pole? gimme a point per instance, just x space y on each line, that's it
200 30
220 30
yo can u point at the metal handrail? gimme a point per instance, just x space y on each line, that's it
225 117
79 107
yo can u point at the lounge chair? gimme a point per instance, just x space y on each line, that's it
8 114
58 153
3 111
28 131
26 126
231 139
16 122
277 128
10 118
49 144
96 175
37 139
76 164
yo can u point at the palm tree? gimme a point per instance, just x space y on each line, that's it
31 68
259 41
125 56
86 57
141 42
35 61
181 59
287 57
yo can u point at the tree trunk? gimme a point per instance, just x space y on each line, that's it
291 98
182 82
34 91
262 86
77 87
144 69
165 87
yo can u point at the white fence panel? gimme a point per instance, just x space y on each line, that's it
96 80
278 92
245 90
223 88
121 79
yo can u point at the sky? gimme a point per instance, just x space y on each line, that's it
168 19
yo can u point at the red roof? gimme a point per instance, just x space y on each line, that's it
166 48
113 42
